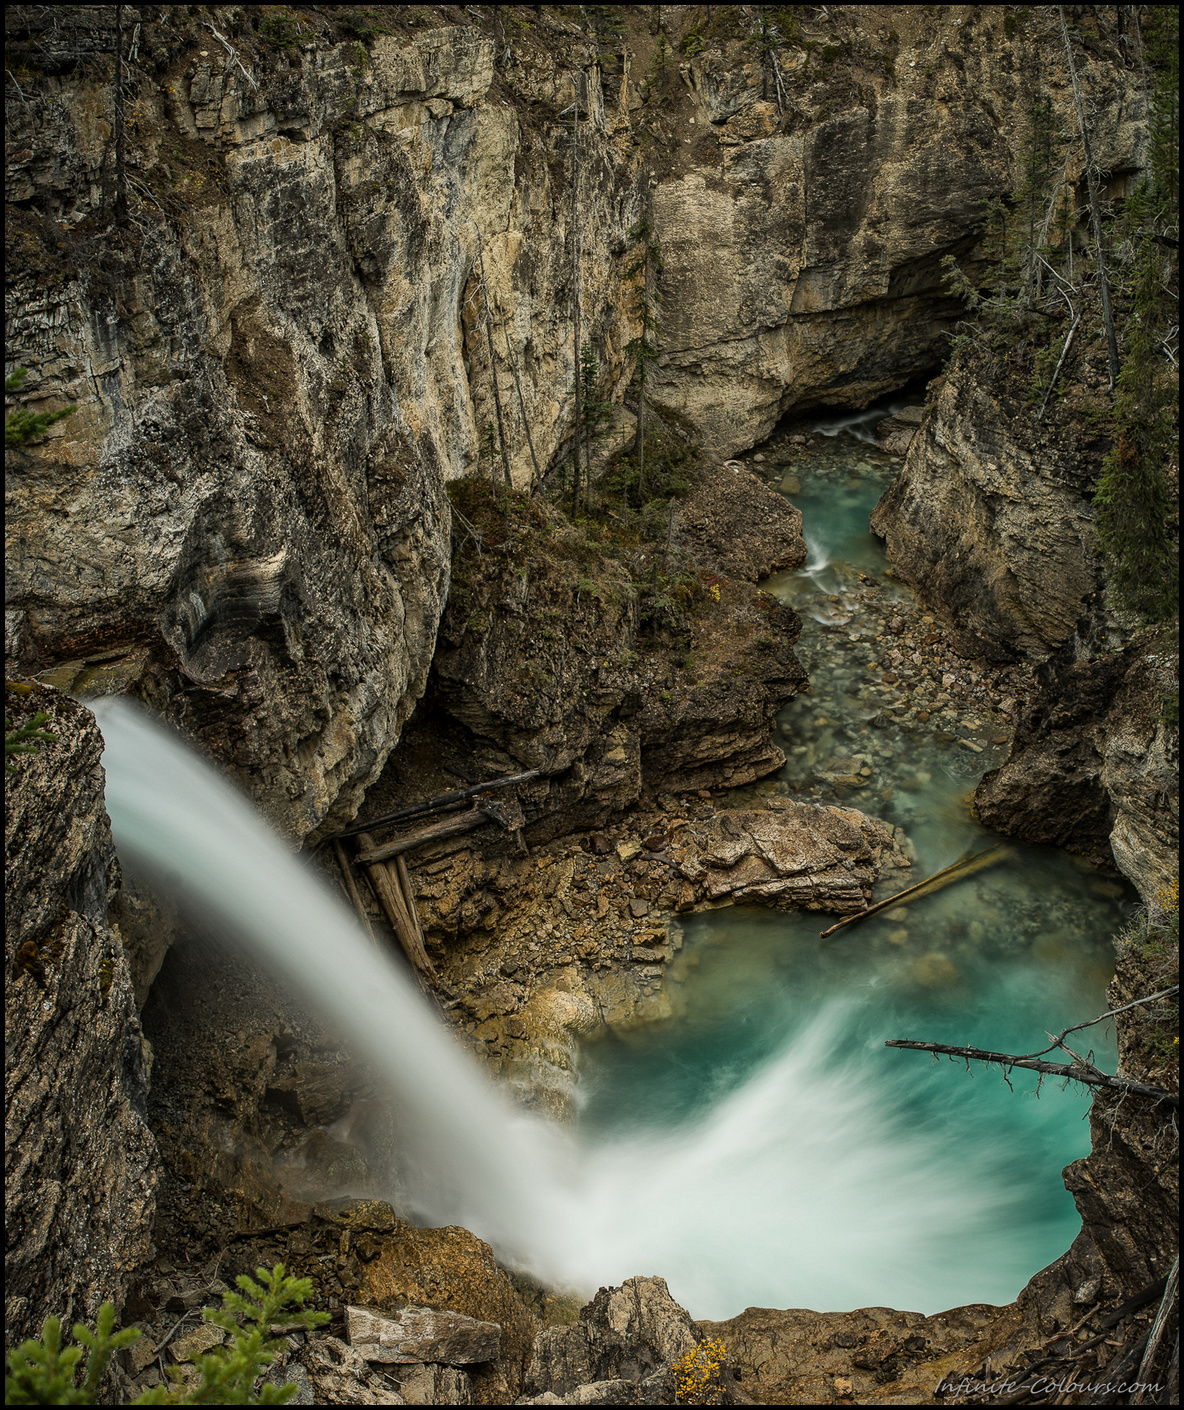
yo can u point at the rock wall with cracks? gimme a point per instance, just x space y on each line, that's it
282 357
276 366
806 211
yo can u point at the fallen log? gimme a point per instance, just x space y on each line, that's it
444 800
451 827
351 887
399 906
1088 1075
958 869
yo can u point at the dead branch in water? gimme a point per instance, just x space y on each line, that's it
939 879
1080 1071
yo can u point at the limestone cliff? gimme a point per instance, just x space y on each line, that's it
281 354
79 1161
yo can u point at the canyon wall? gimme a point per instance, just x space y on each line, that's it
80 1164
282 355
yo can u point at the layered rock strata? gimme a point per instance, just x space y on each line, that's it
1095 764
281 354
616 671
989 520
80 1165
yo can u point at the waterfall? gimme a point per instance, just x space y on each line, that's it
807 1184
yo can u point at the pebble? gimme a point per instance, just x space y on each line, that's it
898 937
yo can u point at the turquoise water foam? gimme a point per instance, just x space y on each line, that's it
877 1176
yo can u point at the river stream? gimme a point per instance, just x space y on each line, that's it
849 1174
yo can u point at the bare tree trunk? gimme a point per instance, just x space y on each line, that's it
394 892
120 125
1094 204
641 434
355 895
537 483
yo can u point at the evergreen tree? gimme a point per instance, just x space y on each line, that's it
21 426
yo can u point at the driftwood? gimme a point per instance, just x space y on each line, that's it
393 889
443 801
934 883
463 822
351 887
1155 1335
1078 1071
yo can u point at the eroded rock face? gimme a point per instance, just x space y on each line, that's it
554 655
989 520
631 1335
1094 766
804 234
80 1163
281 357
276 366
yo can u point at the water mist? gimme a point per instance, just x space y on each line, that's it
805 1185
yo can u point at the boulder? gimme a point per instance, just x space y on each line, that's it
422 1334
626 1337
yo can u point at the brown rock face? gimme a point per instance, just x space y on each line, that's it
732 523
804 234
989 520
1094 767
612 678
79 1163
631 1335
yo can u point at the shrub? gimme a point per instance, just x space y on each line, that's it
698 1374
43 1373
26 739
21 426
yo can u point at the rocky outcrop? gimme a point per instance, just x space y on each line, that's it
280 356
734 524
614 670
1094 764
79 1161
813 191
278 363
864 1357
897 432
620 1352
536 950
989 520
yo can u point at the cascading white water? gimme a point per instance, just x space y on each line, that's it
859 424
472 1159
802 1187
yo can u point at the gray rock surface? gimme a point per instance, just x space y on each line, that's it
989 520
1094 767
804 248
422 1334
281 358
628 1334
80 1165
